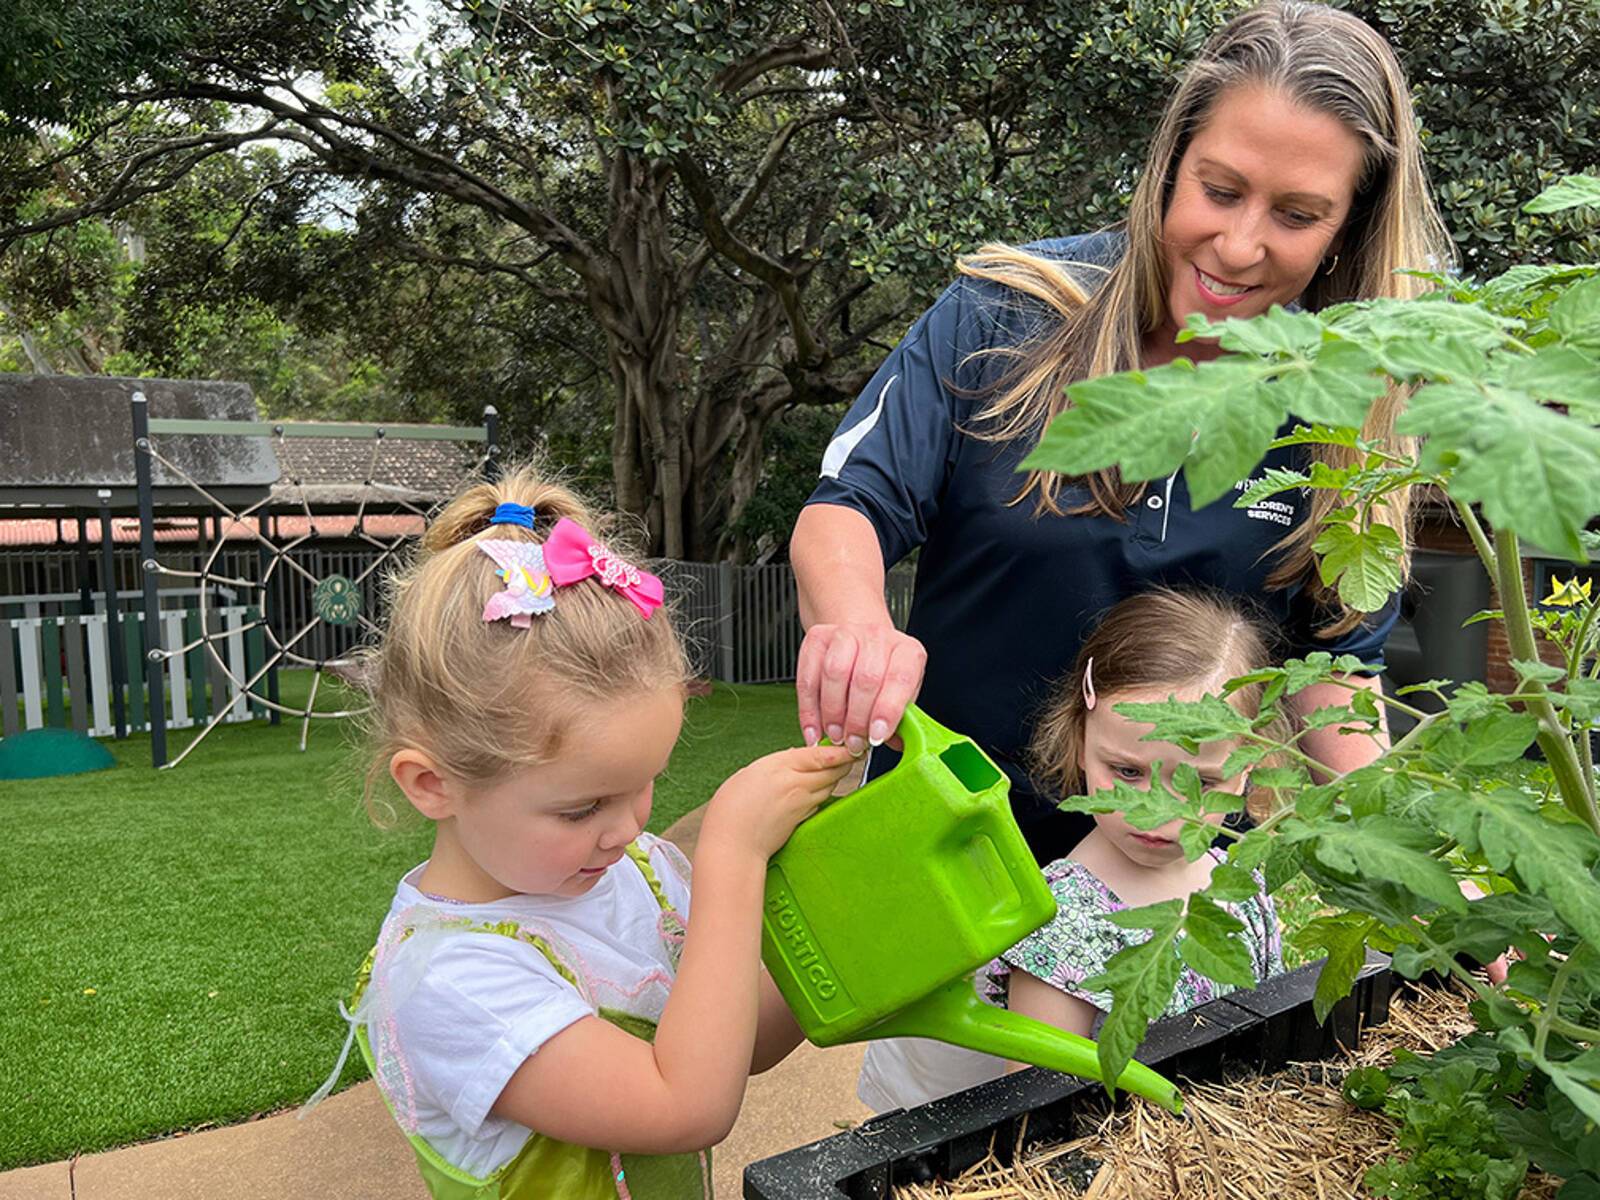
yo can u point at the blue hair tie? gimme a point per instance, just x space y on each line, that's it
513 514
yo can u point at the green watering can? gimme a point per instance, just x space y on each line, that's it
880 907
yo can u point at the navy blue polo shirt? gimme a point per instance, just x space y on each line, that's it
1003 597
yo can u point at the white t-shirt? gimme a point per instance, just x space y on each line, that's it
474 1006
904 1072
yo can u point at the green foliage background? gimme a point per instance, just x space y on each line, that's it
343 295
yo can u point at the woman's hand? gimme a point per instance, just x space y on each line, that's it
854 682
856 672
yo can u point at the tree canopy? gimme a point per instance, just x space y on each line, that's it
650 230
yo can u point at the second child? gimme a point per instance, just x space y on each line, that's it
1156 644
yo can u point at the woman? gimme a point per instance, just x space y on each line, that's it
1285 170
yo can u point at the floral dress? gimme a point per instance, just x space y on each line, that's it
1078 942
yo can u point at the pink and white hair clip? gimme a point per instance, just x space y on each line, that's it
572 554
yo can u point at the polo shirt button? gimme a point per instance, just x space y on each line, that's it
1153 502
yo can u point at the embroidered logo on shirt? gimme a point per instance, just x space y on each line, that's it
1279 509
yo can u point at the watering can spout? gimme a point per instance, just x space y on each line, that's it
955 1014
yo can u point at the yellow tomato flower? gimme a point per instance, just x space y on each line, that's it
1565 593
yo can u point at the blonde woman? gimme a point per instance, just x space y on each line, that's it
1285 170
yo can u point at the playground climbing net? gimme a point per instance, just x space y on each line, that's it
337 600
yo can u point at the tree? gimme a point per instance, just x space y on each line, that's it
726 206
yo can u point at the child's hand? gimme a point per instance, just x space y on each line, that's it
759 806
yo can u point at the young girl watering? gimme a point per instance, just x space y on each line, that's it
542 1012
1150 646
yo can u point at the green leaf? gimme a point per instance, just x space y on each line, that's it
1195 838
1532 469
1333 714
1244 757
1365 1087
1141 977
1500 737
1543 672
1473 700
1215 420
1273 481
1276 331
1578 1078
1572 192
1581 699
1558 374
1318 435
1143 809
1187 723
1382 847
1575 315
1485 614
1364 562
1433 358
1378 321
1211 946
1335 388
1551 857
1343 938
1231 883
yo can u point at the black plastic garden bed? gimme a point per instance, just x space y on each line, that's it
1261 1029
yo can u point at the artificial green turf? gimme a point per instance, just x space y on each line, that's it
174 943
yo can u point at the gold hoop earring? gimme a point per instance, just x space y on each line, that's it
1332 263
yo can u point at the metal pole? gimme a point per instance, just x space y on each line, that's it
108 588
85 568
153 663
491 429
263 561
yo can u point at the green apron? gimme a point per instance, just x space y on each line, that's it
545 1167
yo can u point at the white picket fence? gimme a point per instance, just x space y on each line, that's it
57 670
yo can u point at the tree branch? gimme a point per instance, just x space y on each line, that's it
772 273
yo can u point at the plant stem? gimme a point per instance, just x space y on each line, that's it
1552 1008
1416 732
1577 791
1388 701
1578 1033
1575 663
1480 540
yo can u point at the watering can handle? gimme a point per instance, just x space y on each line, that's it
921 733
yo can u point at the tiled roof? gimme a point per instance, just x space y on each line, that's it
335 469
181 530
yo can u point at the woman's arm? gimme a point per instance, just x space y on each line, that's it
1342 752
593 1084
856 671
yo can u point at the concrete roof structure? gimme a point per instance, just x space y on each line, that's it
64 438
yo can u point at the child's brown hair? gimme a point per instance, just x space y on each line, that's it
1162 638
485 697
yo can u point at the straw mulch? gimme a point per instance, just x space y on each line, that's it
1287 1136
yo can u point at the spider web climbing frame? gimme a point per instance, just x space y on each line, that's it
282 647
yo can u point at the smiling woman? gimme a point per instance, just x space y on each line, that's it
1286 170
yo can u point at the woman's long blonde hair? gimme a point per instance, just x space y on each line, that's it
1322 59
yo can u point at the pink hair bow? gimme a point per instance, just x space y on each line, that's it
571 554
